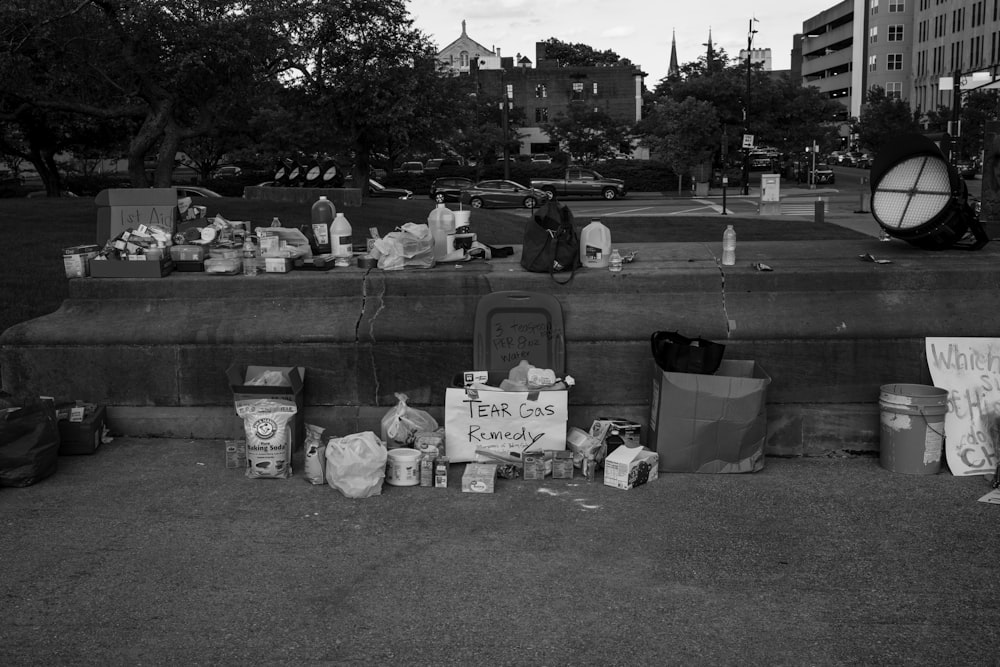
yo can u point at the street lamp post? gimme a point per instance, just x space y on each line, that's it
506 124
746 112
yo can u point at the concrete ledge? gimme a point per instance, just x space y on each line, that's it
827 327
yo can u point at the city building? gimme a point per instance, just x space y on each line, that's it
546 88
832 46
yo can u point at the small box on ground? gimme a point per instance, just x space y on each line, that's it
562 465
710 423
479 478
81 429
246 384
236 453
629 467
535 465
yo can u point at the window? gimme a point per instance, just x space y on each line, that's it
463 59
595 88
872 63
540 91
577 90
896 33
873 5
873 34
541 115
894 90
894 61
896 6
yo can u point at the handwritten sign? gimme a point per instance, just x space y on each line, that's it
503 422
969 368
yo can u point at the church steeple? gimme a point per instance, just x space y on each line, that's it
674 70
710 51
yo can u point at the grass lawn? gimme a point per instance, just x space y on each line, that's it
33 233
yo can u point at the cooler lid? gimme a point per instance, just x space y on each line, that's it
512 326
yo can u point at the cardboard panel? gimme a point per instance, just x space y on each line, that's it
119 209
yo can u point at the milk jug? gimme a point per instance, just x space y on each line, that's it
442 225
595 245
340 237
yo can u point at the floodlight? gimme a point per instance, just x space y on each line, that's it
919 198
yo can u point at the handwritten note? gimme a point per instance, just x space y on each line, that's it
521 336
503 422
969 368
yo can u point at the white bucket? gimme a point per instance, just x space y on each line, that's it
912 428
402 467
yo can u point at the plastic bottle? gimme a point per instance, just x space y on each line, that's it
729 246
275 222
595 245
250 266
340 238
442 225
615 263
323 213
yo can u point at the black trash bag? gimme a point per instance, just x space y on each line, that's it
29 441
675 353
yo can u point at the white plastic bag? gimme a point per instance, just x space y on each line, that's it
355 464
401 424
411 247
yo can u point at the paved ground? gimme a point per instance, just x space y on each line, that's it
152 552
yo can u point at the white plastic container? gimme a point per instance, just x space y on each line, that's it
441 222
403 467
729 246
595 245
340 237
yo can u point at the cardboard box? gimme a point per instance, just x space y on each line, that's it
710 423
82 437
119 209
562 465
236 453
629 467
479 478
116 268
292 391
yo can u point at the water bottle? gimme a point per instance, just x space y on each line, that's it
615 264
729 246
340 239
323 212
250 266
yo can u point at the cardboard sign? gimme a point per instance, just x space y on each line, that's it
119 209
969 368
503 422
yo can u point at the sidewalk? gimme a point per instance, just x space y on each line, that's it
152 552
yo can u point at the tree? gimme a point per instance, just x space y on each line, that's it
586 133
577 55
683 133
881 118
977 108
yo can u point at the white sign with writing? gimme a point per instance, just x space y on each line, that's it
969 368
503 422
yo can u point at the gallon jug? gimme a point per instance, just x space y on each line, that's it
595 245
441 222
340 237
323 212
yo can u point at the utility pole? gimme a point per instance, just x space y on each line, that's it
746 111
506 124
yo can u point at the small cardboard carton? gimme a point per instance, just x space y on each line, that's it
81 430
628 467
710 423
291 390
479 478
119 209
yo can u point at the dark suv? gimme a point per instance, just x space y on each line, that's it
449 188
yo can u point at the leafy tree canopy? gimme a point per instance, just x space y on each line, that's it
580 55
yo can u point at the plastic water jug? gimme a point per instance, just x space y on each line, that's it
340 237
441 222
323 212
595 245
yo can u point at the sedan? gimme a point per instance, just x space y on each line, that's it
502 193
194 191
449 189
376 189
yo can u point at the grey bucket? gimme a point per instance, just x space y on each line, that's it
912 428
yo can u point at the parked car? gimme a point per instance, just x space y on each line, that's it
412 167
966 169
194 191
449 188
377 190
227 171
541 158
502 193
579 182
440 162
822 174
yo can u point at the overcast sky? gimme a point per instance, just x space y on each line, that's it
639 30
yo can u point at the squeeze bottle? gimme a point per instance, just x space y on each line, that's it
595 245
442 225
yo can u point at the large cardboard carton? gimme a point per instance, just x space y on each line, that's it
119 209
710 423
294 377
